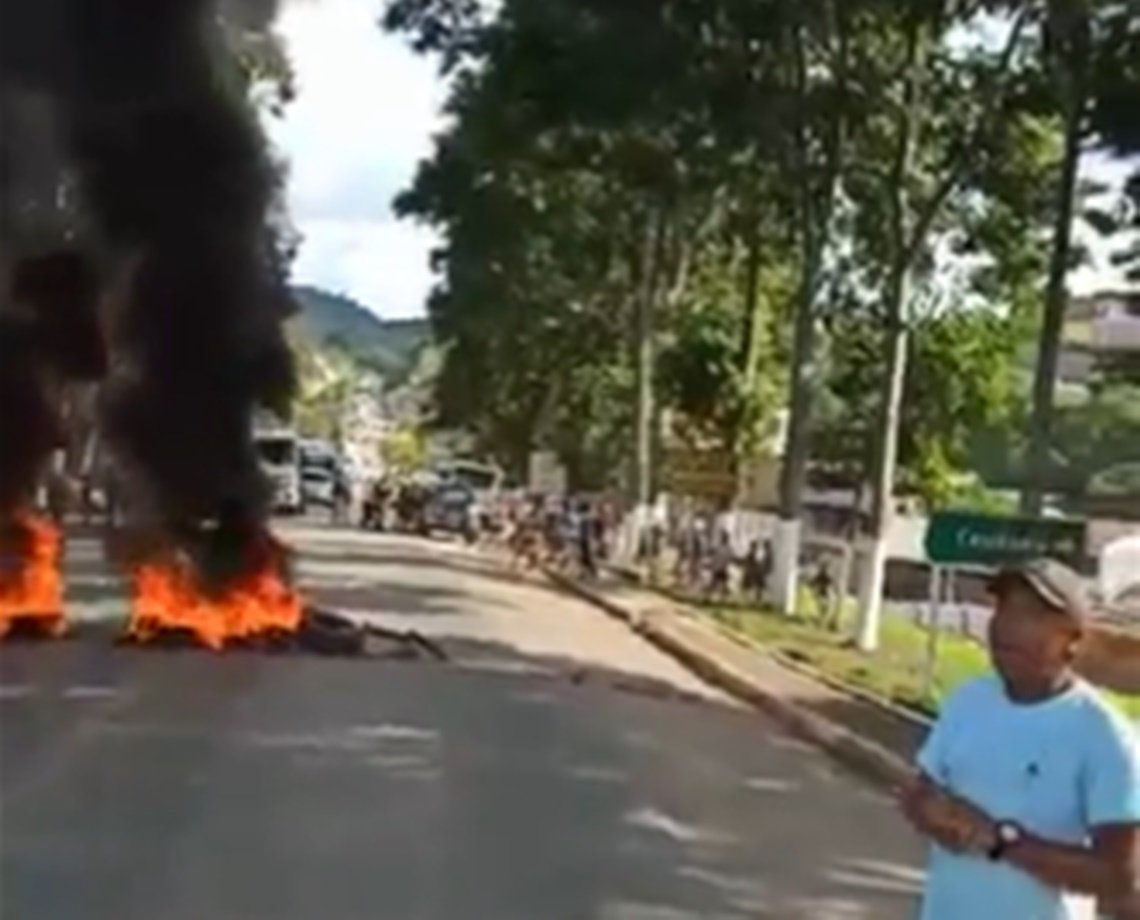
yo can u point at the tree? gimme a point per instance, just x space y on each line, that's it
843 200
404 450
1068 36
962 381
720 370
1091 52
1099 436
327 378
817 51
943 107
586 198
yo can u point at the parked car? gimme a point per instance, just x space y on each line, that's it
318 487
452 509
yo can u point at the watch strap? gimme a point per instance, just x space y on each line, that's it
1007 834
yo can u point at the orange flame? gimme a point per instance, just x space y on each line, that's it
34 592
168 596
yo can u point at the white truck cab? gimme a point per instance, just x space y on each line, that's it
278 450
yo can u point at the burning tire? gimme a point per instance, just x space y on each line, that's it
31 584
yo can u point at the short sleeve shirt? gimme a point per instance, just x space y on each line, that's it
1058 768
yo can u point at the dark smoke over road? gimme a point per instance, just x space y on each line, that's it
163 254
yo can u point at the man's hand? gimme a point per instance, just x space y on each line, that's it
949 820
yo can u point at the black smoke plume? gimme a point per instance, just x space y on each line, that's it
175 185
28 429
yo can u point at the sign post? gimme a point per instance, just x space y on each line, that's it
934 627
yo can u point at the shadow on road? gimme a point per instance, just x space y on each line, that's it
503 658
374 596
148 784
433 556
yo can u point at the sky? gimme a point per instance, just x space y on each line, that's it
366 110
365 113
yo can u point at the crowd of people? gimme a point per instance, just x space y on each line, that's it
703 560
568 533
394 504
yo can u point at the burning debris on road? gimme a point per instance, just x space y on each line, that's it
138 253
222 583
31 585
228 586
206 599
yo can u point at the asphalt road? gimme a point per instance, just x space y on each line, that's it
556 769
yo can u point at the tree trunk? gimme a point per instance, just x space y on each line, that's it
1038 462
815 231
750 330
743 439
886 461
646 363
793 469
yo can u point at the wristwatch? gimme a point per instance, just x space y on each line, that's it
1007 834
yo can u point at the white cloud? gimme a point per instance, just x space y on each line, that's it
364 116
381 263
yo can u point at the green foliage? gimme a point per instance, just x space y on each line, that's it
728 164
962 381
326 379
1099 441
720 368
1123 480
404 450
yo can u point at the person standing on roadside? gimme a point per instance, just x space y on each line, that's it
1029 784
584 539
754 572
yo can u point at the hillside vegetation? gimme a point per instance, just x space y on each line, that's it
390 348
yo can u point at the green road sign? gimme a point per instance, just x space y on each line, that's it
961 538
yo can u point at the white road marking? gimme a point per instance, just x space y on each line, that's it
88 692
73 692
652 819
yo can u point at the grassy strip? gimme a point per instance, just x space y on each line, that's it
895 672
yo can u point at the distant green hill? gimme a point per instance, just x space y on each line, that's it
388 347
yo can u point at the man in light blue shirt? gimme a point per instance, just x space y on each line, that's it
1029 784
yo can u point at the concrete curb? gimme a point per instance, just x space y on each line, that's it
918 719
870 759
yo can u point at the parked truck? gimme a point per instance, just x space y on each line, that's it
279 451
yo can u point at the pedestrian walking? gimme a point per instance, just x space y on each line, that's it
754 572
720 567
823 586
341 507
691 557
584 537
1029 784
